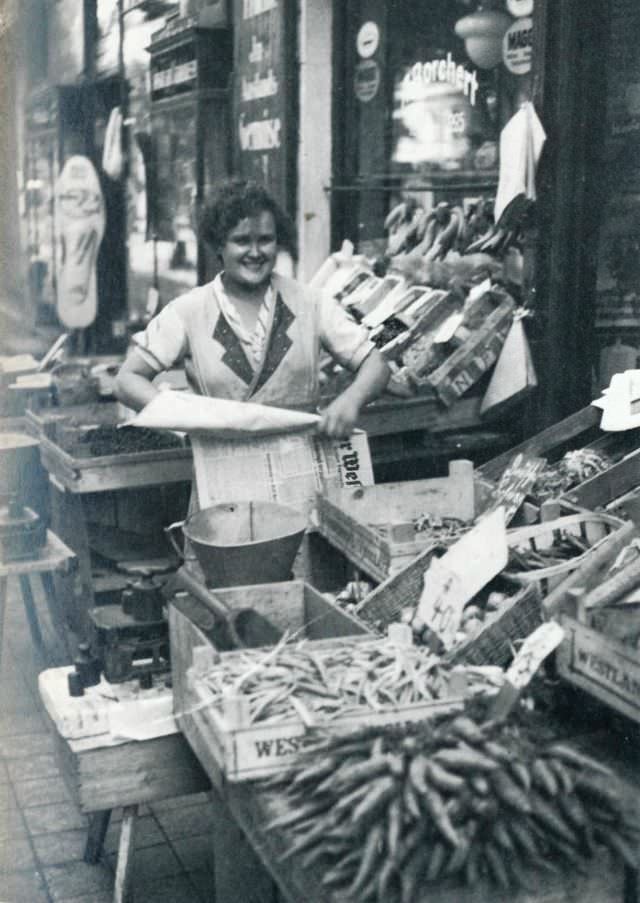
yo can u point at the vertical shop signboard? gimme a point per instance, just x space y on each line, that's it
618 280
262 91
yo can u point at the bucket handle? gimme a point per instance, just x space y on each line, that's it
170 530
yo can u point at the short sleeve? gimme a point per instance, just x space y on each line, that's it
340 335
164 342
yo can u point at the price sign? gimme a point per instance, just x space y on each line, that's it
451 581
535 649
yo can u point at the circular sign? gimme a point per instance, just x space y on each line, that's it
366 80
517 46
520 8
368 39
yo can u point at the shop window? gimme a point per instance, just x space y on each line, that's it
415 114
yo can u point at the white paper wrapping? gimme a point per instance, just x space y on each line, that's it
219 417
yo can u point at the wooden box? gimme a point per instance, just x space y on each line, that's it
581 430
245 752
293 606
373 526
604 667
479 341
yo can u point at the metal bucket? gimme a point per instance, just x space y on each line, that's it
241 543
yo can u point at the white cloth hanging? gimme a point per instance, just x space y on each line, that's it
521 143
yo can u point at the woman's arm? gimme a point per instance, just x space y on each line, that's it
133 383
340 417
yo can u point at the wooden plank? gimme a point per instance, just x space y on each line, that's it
604 487
545 441
400 415
55 555
138 772
123 884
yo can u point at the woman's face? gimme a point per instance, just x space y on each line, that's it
249 253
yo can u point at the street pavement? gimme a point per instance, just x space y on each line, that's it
42 832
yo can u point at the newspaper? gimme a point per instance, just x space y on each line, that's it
289 469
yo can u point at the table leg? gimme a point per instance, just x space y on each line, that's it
123 890
56 611
30 610
631 885
98 824
3 599
239 875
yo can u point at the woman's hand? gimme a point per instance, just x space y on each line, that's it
340 417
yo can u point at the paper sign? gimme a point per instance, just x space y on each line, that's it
448 329
454 579
516 481
534 650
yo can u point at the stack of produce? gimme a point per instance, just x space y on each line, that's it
476 614
574 468
384 813
330 680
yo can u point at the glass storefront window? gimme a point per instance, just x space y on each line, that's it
416 115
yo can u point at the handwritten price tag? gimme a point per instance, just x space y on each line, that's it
535 649
451 581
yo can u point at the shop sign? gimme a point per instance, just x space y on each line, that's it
517 46
519 8
174 75
368 40
260 95
444 71
366 80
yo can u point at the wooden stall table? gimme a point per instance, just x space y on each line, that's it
126 497
105 769
249 866
53 557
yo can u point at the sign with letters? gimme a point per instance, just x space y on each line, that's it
261 89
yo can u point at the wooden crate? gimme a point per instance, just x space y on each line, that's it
600 665
581 430
241 751
293 605
373 527
479 345
106 472
589 526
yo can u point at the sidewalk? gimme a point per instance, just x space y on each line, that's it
42 833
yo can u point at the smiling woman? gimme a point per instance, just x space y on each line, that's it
251 333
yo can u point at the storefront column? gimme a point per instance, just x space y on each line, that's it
314 150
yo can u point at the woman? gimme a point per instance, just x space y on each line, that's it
252 334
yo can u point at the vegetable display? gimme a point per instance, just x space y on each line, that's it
574 468
382 813
340 678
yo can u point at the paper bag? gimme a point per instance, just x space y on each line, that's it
514 375
219 417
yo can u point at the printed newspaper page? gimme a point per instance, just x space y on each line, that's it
287 468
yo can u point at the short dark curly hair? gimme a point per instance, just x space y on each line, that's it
235 199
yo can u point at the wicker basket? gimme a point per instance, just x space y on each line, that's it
492 645
589 526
